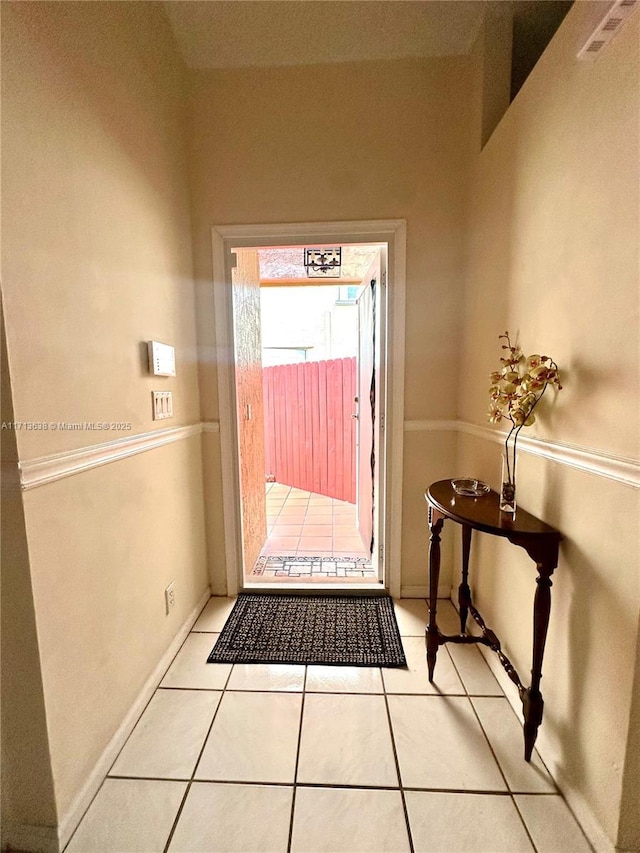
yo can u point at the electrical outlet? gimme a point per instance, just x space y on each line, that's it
169 598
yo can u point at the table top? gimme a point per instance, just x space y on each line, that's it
483 513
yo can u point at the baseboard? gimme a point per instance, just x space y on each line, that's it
422 591
582 812
24 838
75 813
575 800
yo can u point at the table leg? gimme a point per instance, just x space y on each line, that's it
433 635
464 593
533 704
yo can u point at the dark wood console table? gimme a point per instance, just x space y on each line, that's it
539 540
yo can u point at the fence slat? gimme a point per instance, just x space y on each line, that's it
308 425
309 431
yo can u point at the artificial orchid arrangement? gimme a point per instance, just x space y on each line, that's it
516 389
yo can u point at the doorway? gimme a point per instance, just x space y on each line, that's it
319 341
318 406
236 262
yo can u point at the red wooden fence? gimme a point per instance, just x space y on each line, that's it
310 436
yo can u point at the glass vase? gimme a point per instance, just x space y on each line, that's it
507 487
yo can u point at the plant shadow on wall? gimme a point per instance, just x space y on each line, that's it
576 588
516 390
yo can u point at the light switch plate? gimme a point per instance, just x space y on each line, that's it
162 405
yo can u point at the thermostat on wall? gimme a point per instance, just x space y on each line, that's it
162 359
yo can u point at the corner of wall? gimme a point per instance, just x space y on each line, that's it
629 822
27 780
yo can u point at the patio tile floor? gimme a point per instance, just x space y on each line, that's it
311 536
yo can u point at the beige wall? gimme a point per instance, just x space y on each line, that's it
97 260
358 141
553 257
25 797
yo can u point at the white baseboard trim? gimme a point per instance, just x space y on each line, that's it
35 839
211 426
582 812
422 591
75 813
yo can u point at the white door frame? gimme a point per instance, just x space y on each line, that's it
224 238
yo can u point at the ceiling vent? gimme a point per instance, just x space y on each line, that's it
612 23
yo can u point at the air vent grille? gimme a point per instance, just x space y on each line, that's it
607 28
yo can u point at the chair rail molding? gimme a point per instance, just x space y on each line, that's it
621 469
48 469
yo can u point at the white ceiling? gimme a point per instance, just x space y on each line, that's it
243 33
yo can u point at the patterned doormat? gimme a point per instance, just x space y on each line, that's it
311 629
313 568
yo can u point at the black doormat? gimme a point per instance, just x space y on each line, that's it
314 629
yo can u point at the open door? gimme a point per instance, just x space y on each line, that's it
249 399
367 405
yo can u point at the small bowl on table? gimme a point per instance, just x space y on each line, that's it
468 487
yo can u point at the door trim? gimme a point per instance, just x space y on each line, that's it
223 239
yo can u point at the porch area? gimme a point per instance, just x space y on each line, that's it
311 538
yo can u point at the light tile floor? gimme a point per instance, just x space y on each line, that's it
316 758
305 531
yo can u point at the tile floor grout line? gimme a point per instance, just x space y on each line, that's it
557 791
84 814
177 817
396 759
502 773
197 762
154 693
338 786
513 711
295 771
524 823
225 689
508 792
340 513
107 774
495 757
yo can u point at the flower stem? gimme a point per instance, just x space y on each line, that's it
510 476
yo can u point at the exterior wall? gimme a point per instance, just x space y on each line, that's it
394 145
96 261
553 257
